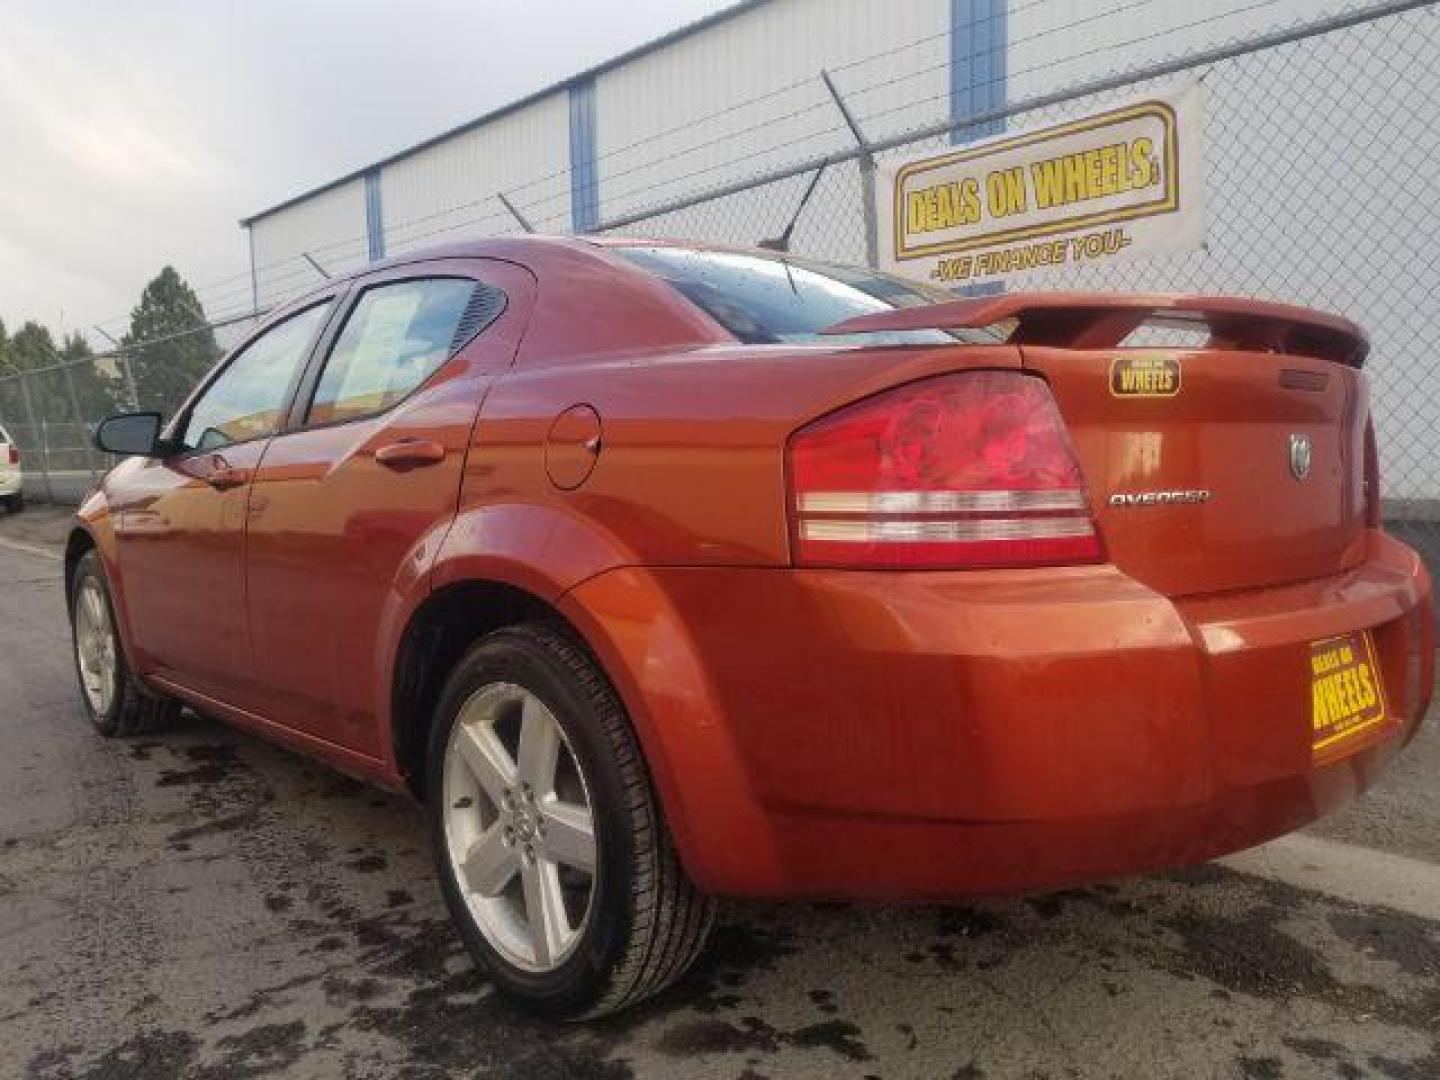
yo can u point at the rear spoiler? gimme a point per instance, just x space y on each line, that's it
1104 320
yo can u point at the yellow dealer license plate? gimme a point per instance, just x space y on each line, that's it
1347 699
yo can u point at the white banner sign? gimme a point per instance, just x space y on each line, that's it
1123 182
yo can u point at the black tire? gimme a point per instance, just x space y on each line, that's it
647 921
15 503
133 708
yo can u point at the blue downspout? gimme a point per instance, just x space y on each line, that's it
374 216
584 170
979 40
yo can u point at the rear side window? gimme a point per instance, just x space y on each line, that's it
395 337
780 299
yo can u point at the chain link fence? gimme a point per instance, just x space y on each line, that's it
50 412
1321 180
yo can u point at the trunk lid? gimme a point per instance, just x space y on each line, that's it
1199 490
1238 464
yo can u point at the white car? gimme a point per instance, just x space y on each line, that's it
11 493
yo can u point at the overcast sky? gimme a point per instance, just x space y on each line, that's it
134 134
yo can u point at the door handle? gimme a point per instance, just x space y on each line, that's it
410 454
225 479
222 477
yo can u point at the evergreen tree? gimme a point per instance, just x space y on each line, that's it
169 345
32 347
32 350
37 395
56 381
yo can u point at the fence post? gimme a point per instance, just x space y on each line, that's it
43 450
866 161
79 420
123 363
521 218
123 360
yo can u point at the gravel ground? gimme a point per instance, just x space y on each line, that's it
201 904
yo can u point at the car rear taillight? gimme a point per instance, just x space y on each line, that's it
972 469
13 453
1372 477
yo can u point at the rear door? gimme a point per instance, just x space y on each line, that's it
353 498
1214 469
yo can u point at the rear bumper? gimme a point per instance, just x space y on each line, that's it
929 735
10 483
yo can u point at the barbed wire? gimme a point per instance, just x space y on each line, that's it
1083 54
275 279
298 269
824 104
1342 109
853 92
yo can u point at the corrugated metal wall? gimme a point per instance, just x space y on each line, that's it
1292 191
329 225
448 190
669 121
1057 43
730 101
445 191
745 95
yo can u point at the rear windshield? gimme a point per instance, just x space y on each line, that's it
780 299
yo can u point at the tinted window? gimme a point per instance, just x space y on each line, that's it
248 399
766 300
395 338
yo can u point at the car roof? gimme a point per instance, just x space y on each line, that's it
557 257
529 249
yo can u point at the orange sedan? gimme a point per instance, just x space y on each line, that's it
660 573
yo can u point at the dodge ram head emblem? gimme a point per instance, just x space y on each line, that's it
1300 456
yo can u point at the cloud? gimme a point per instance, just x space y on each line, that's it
135 135
94 127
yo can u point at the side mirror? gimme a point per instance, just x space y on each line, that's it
129 433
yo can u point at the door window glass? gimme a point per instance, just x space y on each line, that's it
393 340
248 399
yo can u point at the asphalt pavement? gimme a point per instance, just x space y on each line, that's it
201 904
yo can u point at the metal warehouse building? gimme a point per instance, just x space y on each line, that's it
1318 144
717 100
722 99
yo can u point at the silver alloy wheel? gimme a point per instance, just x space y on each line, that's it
518 826
95 645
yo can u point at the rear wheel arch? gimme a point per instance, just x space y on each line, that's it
642 921
437 635
721 834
